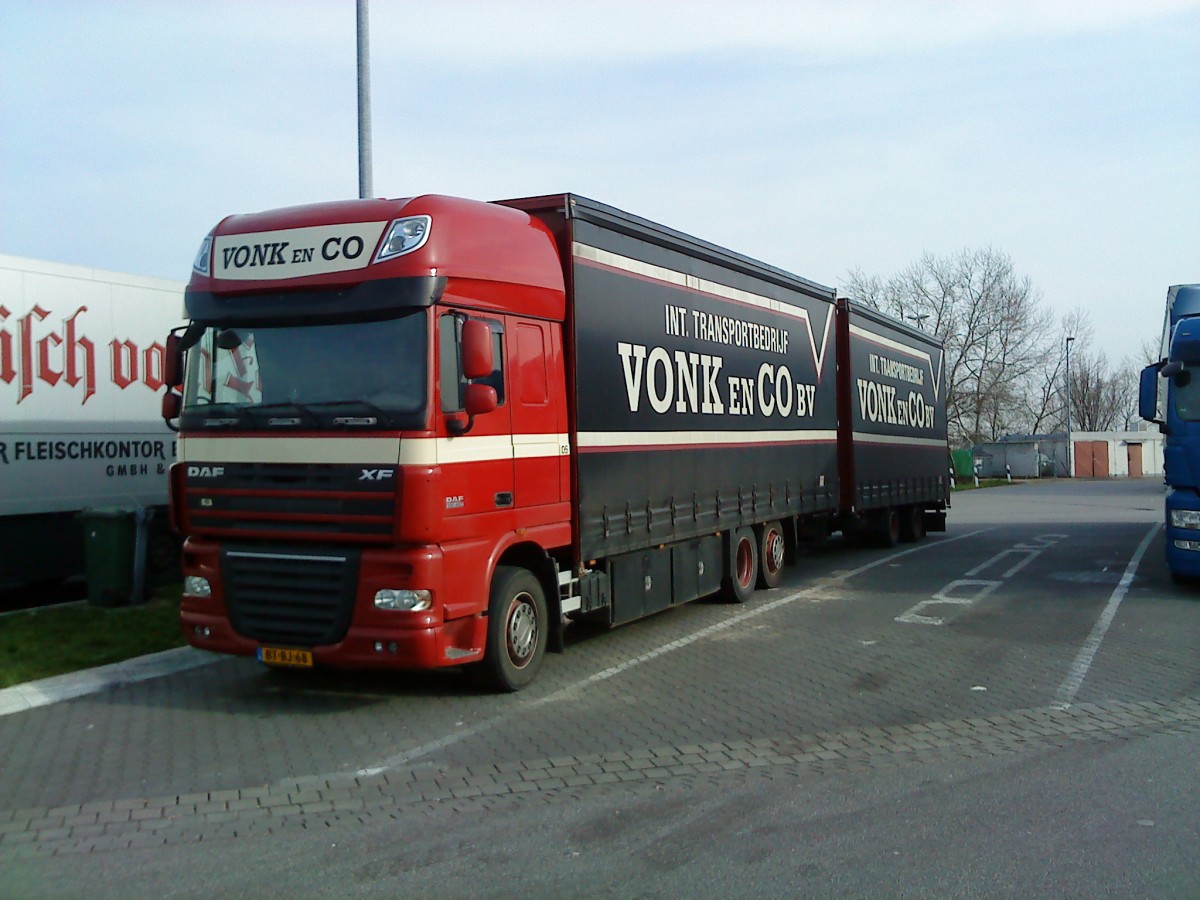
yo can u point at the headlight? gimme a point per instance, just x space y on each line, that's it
404 236
195 586
1185 518
403 599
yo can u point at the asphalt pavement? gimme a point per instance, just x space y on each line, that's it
1007 709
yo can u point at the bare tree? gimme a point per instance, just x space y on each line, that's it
1044 401
1128 376
992 322
1099 395
1149 351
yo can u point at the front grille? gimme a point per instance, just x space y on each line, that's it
330 502
290 596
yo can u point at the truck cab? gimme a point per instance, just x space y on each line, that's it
372 426
1170 397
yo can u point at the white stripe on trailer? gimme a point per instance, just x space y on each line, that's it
863 438
716 289
907 349
614 440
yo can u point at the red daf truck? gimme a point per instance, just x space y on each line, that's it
430 431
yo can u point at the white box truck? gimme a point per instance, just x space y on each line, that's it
81 364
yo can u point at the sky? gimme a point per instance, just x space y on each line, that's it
821 137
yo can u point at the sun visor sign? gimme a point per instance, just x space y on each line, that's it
295 252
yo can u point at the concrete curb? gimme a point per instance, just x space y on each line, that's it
33 694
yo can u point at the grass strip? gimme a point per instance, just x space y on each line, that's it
968 484
38 643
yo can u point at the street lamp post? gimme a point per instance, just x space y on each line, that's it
1070 467
365 188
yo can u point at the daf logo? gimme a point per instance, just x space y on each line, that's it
205 471
376 475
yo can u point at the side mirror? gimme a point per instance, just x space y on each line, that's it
1148 393
477 360
172 406
173 361
480 399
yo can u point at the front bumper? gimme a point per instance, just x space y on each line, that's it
419 647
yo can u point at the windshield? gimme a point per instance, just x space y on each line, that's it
333 375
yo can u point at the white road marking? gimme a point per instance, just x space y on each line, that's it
1083 661
1027 553
942 597
813 593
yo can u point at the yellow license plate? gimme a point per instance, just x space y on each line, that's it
282 656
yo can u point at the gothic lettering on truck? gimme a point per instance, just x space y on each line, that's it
557 411
82 356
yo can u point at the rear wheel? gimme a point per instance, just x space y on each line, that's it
516 629
912 524
743 565
886 527
771 550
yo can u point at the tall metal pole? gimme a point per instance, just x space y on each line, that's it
365 188
1070 468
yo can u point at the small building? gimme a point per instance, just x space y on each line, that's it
1022 456
1093 454
1104 454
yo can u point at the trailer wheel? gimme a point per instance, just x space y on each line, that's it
743 565
912 524
886 527
771 549
516 629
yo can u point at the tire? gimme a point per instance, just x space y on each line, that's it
742 573
517 626
886 528
912 524
771 551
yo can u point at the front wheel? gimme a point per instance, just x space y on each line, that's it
516 629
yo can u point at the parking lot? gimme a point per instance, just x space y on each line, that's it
1042 621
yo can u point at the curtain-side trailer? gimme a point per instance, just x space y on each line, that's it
425 432
892 433
81 364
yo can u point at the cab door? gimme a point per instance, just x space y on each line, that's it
477 465
538 413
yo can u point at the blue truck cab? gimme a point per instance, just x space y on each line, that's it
1170 396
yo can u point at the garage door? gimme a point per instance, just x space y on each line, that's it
1091 459
1135 460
